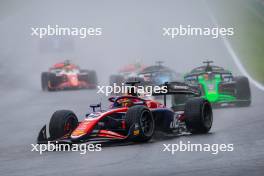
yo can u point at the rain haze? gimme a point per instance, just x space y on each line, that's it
132 31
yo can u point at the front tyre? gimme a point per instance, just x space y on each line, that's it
62 123
199 115
44 81
141 121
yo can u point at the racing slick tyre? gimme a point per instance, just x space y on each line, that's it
178 101
44 81
52 81
90 77
243 93
62 123
141 121
199 115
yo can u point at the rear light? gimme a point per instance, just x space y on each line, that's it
123 124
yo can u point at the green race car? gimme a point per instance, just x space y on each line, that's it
219 86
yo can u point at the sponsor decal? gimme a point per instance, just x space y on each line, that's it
136 132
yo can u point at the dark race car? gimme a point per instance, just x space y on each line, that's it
66 75
157 74
131 118
125 73
154 75
219 86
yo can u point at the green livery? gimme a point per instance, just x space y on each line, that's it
219 86
211 90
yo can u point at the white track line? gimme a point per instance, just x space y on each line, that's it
232 52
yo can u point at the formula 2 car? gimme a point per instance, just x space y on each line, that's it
219 86
125 73
157 74
131 118
66 75
154 75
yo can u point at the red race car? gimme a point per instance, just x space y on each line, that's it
131 118
66 75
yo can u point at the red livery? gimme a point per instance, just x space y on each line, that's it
66 75
131 118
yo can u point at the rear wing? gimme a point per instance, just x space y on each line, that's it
174 88
179 88
182 88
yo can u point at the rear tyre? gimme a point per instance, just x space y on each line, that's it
44 80
199 115
90 77
243 92
140 123
62 123
178 101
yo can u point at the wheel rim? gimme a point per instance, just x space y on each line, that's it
146 123
69 125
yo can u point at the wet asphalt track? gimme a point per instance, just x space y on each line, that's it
241 126
26 108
